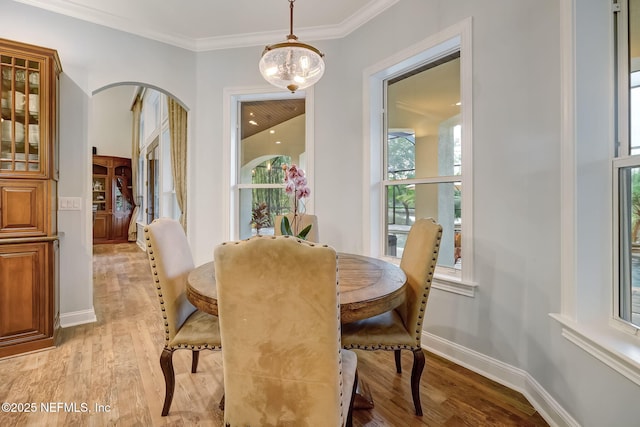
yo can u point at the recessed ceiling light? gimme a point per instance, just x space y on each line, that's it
278 142
253 122
272 131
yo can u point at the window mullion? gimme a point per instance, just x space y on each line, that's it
430 180
241 186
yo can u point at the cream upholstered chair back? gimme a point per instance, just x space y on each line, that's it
401 328
418 262
305 220
171 262
280 329
185 327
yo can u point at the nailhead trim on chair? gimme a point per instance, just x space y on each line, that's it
163 309
158 288
382 347
418 337
339 332
425 296
342 415
312 244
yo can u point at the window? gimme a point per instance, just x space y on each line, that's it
140 187
423 162
169 204
424 148
155 179
153 182
626 165
272 131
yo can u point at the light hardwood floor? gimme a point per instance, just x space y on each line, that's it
111 368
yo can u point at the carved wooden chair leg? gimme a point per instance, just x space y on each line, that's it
166 363
349 422
416 373
398 364
195 355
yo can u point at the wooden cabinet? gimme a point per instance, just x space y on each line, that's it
23 208
29 307
112 199
28 101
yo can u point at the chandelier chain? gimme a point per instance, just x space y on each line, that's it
291 36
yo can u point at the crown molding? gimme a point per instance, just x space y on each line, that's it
99 17
96 16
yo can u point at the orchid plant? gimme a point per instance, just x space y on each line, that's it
296 187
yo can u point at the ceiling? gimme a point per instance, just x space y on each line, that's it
201 25
258 116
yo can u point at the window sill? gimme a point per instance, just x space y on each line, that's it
454 285
446 282
615 348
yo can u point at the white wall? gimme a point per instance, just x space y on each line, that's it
112 121
517 110
92 57
516 101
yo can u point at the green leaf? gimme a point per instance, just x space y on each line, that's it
285 227
304 232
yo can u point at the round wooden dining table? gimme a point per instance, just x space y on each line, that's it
368 287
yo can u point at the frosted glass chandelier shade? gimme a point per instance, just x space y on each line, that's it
291 65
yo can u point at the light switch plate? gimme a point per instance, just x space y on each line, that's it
69 203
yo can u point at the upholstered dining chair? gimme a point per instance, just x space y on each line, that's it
305 220
185 326
280 324
401 328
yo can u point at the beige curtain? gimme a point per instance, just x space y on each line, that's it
135 154
178 132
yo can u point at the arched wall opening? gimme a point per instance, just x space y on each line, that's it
111 132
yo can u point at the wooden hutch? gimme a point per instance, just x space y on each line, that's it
112 199
29 296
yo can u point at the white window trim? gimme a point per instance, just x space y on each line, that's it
622 160
614 344
607 343
454 38
231 97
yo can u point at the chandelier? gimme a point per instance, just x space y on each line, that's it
291 65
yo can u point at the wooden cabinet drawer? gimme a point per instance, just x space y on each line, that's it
22 208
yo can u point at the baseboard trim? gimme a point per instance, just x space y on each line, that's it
502 373
77 318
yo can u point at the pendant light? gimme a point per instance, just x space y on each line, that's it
291 65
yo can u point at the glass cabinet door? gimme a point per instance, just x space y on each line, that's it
20 149
99 193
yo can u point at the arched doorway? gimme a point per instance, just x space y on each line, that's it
131 121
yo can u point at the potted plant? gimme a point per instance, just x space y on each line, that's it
260 216
296 187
